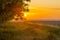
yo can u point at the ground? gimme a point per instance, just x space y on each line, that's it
28 31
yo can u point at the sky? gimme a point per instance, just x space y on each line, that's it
44 10
46 3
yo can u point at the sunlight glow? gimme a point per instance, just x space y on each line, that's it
25 14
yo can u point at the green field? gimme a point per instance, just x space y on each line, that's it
28 31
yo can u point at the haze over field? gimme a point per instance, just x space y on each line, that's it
44 10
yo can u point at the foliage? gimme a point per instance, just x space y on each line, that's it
7 9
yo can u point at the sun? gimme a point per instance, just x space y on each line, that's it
25 14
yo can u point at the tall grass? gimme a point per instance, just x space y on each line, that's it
27 31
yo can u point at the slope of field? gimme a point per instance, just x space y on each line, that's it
56 23
28 31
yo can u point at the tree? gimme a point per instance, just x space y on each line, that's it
9 8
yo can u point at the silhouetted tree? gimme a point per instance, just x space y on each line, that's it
9 8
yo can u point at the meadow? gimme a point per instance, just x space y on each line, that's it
28 31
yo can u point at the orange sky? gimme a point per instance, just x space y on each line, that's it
43 14
45 11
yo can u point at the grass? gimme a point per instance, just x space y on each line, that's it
28 31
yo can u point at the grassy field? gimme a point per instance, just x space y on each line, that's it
28 31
